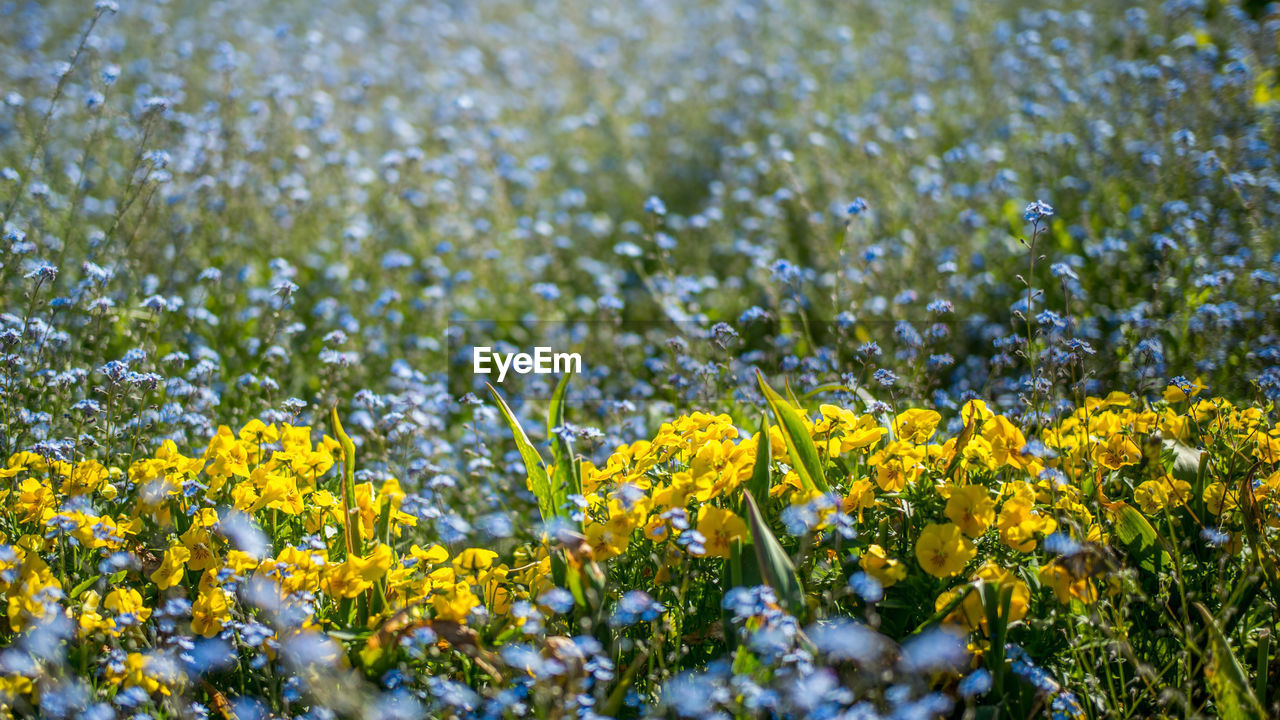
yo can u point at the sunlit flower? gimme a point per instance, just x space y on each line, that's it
943 550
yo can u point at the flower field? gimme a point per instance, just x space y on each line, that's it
660 359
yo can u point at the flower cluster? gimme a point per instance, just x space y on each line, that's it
260 551
946 232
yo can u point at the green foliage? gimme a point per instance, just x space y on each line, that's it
804 454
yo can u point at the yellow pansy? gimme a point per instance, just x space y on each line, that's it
943 550
172 568
971 508
876 563
721 528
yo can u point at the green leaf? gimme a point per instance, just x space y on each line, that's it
996 600
775 565
1254 530
573 579
1227 680
1186 461
804 454
350 511
566 476
382 530
730 577
78 590
533 463
613 705
1134 531
761 475
826 387
791 394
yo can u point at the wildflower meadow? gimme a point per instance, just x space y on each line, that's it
705 359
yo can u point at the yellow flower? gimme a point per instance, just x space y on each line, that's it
91 621
34 497
243 497
298 570
657 529
880 566
1001 578
972 508
13 687
1005 439
943 550
210 612
846 431
241 563
433 555
474 560
970 612
604 542
173 567
720 527
1066 587
1151 496
374 566
862 496
145 672
1117 452
276 492
626 517
345 580
227 456
1020 523
1174 425
1179 490
257 432
205 518
295 439
127 601
454 603
83 478
975 411
790 483
1220 498
1175 394
1267 446
897 465
916 425
199 545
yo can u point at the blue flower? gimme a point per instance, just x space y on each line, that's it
886 378
934 650
1214 536
558 600
636 606
1037 211
866 587
844 639
975 683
